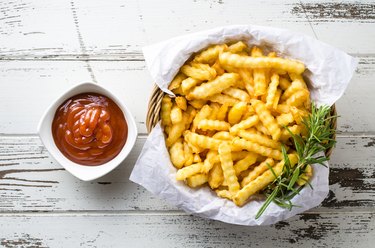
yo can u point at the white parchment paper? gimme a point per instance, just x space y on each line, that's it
329 71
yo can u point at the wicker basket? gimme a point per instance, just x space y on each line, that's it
154 104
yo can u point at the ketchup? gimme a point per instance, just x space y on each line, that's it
89 129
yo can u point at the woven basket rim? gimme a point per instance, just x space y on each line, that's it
154 104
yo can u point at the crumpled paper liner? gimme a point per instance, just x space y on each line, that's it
329 71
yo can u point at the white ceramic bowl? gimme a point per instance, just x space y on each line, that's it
85 173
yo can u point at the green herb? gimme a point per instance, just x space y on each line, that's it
318 139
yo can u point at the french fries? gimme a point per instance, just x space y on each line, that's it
234 110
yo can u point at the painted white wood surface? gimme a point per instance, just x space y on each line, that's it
335 230
32 29
47 47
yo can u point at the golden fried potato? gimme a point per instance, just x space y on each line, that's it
230 119
216 86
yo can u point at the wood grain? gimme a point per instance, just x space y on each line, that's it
117 29
120 28
175 230
30 180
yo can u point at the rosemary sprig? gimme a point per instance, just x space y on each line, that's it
318 139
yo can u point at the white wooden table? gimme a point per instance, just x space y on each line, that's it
48 46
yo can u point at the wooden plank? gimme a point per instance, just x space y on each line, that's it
120 28
351 22
339 230
30 180
29 87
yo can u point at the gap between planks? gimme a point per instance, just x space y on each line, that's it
125 57
144 135
151 213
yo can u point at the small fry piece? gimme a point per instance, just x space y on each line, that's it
175 133
188 155
245 163
189 115
211 159
294 88
283 109
298 114
262 129
178 91
262 181
165 112
266 118
222 112
197 180
217 67
272 88
176 82
181 102
239 155
189 83
223 136
276 99
177 154
224 194
248 80
213 87
260 139
284 83
285 119
304 178
256 51
223 99
255 147
236 60
248 112
199 71
196 158
210 54
197 103
176 115
215 176
285 135
188 171
204 113
298 98
245 124
260 84
202 141
258 170
237 93
236 112
213 125
215 109
298 77
228 169
237 47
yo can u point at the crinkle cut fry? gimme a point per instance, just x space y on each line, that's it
261 182
236 60
267 119
255 147
213 87
228 169
202 141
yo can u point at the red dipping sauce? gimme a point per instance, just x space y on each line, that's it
89 129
